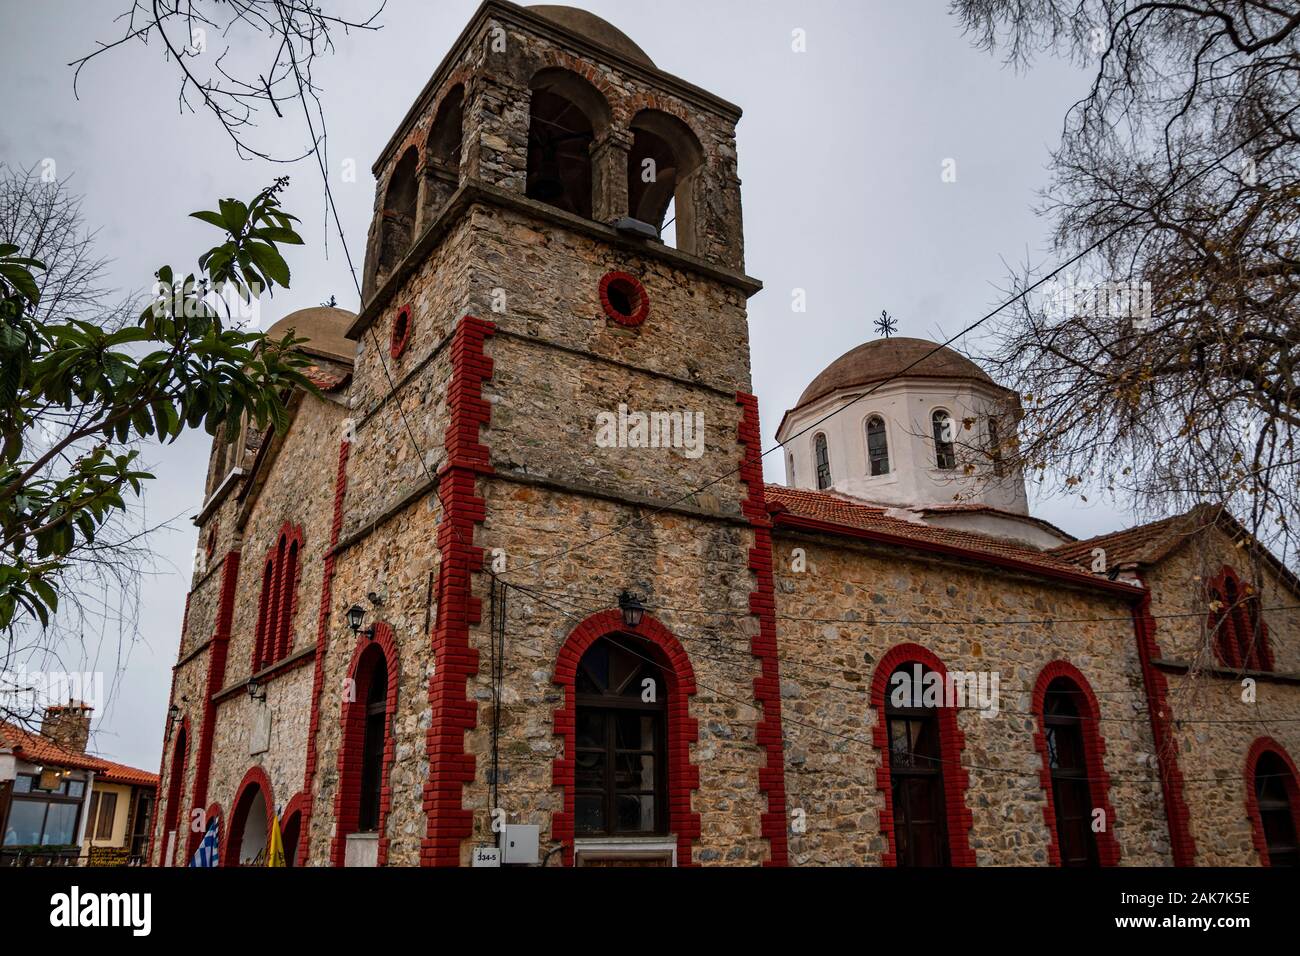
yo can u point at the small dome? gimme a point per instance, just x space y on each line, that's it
880 359
323 327
593 28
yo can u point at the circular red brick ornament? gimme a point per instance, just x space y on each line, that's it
624 298
401 332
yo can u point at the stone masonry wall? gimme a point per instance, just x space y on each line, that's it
827 670
1215 721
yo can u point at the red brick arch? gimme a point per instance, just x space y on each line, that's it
952 742
256 777
1094 744
683 730
300 804
347 796
1260 747
172 815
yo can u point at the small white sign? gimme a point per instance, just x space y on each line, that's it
487 856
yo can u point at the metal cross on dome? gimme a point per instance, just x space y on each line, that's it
886 325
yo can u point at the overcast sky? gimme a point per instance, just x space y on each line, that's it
841 153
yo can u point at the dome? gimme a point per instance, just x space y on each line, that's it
323 327
880 359
593 28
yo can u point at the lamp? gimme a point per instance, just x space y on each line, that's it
633 610
253 688
357 614
173 713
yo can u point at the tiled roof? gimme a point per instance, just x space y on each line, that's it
114 772
1144 544
37 748
326 378
850 513
971 507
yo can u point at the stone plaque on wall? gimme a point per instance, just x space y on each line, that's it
259 731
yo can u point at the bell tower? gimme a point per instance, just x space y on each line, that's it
555 315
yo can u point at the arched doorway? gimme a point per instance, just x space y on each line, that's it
250 822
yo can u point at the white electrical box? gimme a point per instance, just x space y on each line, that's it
519 843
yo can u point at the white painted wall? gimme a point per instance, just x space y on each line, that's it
914 480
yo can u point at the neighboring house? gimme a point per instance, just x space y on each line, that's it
60 805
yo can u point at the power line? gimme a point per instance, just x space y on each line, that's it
1112 777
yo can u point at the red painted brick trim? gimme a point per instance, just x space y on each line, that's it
762 604
322 642
634 290
1233 627
301 805
352 720
255 778
216 680
1094 746
683 730
1181 844
174 810
454 711
1260 747
158 811
401 334
952 743
276 609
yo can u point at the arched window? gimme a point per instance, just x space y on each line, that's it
372 747
620 783
661 168
1273 801
275 606
915 772
822 456
442 154
1078 811
565 114
398 225
945 455
1239 636
877 446
1071 797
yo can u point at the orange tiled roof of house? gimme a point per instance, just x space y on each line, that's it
850 513
37 748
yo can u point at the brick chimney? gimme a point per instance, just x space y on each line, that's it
68 725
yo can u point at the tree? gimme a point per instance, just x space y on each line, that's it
1162 371
77 394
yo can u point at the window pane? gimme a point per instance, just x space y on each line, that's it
60 824
25 819
634 772
589 813
76 788
107 811
590 728
589 771
636 812
23 784
634 731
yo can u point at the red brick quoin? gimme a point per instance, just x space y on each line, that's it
322 641
347 797
454 711
1094 750
952 743
762 604
683 730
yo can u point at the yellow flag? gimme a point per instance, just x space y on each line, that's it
275 845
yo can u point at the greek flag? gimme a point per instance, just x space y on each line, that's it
208 852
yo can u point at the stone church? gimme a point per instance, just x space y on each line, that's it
439 621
